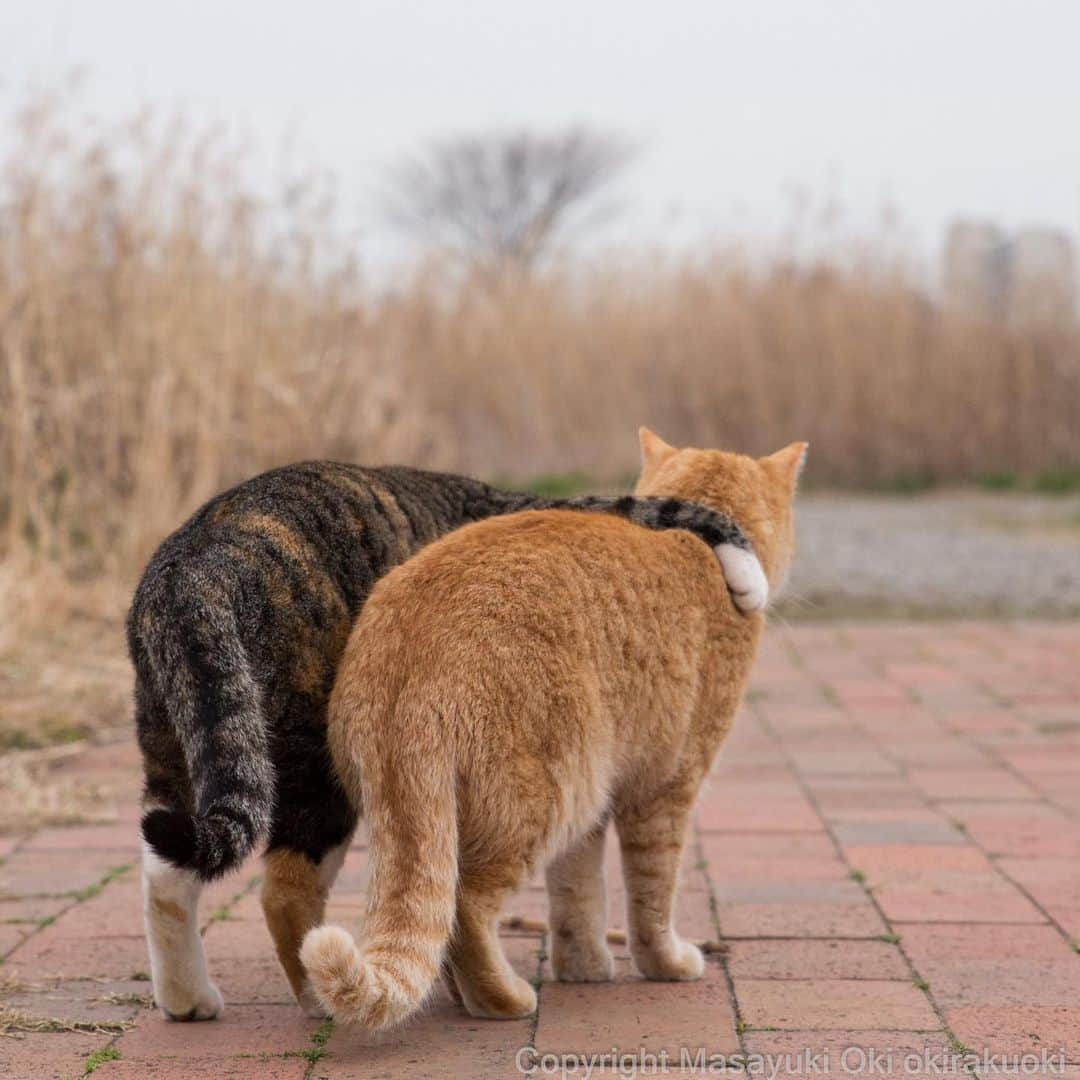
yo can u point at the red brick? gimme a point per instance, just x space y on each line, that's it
1013 1029
33 908
958 904
593 1018
850 833
995 965
744 812
816 960
115 912
868 692
1026 835
834 1003
443 1042
241 1029
886 863
847 1053
989 721
123 839
8 844
28 873
970 784
801 920
83 1000
219 1068
12 936
728 852
51 1055
1044 759
50 954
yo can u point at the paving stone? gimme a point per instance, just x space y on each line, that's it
797 920
122 838
443 1042
867 761
890 775
594 1018
81 1000
29 873
32 909
816 960
971 784
898 832
834 1003
995 965
729 851
49 954
12 936
1028 836
846 1053
1013 1029
241 1029
52 1055
219 1068
116 912
960 902
747 812
888 863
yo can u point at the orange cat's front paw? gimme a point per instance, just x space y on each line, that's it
582 961
681 962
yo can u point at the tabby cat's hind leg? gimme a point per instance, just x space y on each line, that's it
182 986
652 835
294 900
489 986
578 912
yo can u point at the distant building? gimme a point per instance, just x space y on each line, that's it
1030 277
976 267
1042 277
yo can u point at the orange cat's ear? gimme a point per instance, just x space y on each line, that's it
654 451
788 463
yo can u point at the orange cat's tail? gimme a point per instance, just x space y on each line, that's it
411 809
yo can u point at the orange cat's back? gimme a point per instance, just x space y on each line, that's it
505 694
548 582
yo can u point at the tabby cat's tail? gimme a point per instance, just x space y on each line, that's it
208 692
411 808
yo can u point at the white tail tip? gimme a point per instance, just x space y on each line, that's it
746 580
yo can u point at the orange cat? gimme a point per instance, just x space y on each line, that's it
504 694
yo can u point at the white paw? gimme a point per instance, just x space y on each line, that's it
746 580
681 961
583 962
205 1003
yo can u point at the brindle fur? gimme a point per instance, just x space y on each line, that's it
237 627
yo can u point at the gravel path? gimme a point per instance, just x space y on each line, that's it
945 553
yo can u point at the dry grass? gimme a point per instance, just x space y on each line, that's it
163 333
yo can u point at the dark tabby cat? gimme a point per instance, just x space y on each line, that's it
235 633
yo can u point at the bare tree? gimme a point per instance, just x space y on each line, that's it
503 197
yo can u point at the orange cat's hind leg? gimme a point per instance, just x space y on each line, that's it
294 899
652 835
488 985
578 912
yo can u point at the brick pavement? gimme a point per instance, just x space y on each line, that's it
890 848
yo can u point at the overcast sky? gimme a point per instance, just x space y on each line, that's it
939 107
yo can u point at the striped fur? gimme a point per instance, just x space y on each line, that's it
237 626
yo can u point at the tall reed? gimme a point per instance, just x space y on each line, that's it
164 333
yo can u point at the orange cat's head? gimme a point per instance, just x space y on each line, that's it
756 492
